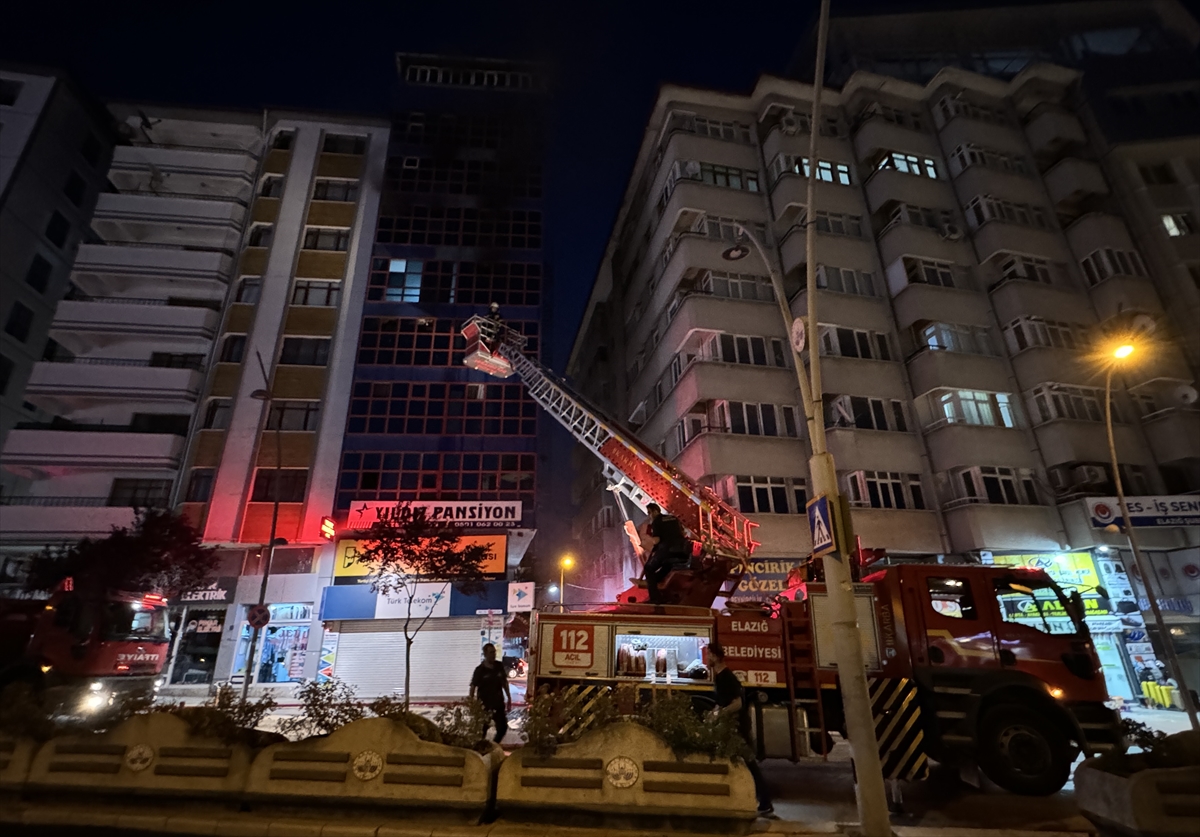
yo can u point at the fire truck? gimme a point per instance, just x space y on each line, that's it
953 677
82 655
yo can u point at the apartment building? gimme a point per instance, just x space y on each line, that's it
55 145
971 250
460 227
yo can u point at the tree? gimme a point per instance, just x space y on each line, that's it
161 552
405 550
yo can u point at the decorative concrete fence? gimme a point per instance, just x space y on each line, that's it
15 757
1160 802
625 771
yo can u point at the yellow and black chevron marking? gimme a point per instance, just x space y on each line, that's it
578 703
898 728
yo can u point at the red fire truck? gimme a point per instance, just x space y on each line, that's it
82 654
953 676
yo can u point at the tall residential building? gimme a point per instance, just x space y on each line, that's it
55 144
460 227
973 245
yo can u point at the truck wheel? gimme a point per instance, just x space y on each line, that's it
1022 751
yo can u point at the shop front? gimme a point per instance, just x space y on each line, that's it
197 619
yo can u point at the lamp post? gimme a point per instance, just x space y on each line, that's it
1121 354
565 563
852 675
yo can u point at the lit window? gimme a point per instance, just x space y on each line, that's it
1179 223
404 280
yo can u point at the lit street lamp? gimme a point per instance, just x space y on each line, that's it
565 563
1121 353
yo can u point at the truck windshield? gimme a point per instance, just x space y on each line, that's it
1036 602
133 620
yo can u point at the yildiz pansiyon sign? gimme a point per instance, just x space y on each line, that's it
468 514
1180 510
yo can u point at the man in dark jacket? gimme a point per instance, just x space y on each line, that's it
490 684
671 549
731 700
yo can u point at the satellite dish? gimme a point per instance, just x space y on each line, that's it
1186 394
1144 324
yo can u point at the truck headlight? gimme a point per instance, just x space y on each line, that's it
95 686
95 701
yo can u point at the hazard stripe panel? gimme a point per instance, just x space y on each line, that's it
898 728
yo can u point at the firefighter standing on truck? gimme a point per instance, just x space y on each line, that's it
671 548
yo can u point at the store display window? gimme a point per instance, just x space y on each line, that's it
655 656
198 643
282 645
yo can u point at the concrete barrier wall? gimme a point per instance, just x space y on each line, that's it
16 754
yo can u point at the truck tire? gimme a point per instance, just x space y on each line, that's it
1022 750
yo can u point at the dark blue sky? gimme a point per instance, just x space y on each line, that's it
607 62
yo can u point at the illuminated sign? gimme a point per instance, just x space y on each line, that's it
347 569
328 531
1071 570
487 514
1145 511
765 578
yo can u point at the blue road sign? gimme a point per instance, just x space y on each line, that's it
820 524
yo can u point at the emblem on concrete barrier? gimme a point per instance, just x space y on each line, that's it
367 765
621 772
139 757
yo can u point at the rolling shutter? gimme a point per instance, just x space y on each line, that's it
370 657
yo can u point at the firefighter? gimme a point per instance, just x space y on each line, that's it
670 549
731 700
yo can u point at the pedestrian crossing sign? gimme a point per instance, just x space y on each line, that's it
820 524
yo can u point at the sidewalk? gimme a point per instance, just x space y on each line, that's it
1169 721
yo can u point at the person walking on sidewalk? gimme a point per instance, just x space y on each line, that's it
731 700
490 684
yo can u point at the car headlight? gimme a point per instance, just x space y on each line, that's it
96 686
95 701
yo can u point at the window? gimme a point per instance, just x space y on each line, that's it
285 485
762 495
1026 268
917 216
20 319
908 164
839 224
984 208
272 187
342 144
75 189
843 280
746 419
1179 223
896 116
311 292
864 413
1063 401
454 226
38 275
233 348
954 337
885 490
432 476
967 406
1025 332
140 493
729 178
336 190
167 360
404 281
998 486
827 170
1157 174
6 370
249 290
470 283
838 341
90 150
305 351
260 236
931 272
951 597
317 238
282 141
1101 264
955 104
737 286
969 155
57 229
436 409
200 484
294 415
218 413
748 349
10 91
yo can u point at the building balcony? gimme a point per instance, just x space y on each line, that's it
1096 231
39 520
791 192
962 130
1064 441
709 380
1124 294
125 268
849 251
60 387
856 449
1174 433
201 171
59 450
960 445
930 369
1016 298
918 302
192 220
1052 131
729 453
981 180
996 236
877 134
1042 363
899 239
976 526
887 185
899 531
1073 181
863 376
83 325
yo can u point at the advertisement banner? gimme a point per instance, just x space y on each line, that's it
1072 571
219 591
347 569
431 599
765 578
471 514
1145 512
520 596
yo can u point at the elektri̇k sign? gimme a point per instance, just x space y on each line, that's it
472 514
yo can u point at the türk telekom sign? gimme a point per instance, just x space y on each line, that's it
486 514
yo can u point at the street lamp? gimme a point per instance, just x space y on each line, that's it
1121 353
565 563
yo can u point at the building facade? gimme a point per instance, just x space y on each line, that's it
55 146
972 249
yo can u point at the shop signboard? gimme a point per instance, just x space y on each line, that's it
1145 512
520 596
429 599
765 578
753 648
220 591
347 569
1071 570
473 514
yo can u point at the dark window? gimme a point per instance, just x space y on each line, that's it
38 275
233 348
140 493
75 189
305 351
170 360
6 370
91 150
294 415
20 319
342 144
326 239
272 187
283 140
291 481
249 290
951 597
200 485
261 236
218 413
336 190
173 423
10 89
58 229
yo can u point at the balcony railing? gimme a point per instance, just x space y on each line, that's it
34 500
